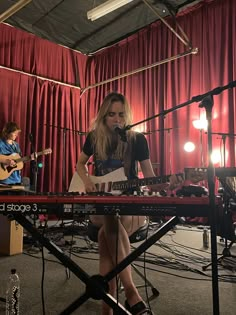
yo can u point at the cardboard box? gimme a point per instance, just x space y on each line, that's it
11 237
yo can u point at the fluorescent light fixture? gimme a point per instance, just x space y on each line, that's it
106 8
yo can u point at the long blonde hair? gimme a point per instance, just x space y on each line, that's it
102 137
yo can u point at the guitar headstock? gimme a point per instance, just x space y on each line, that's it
47 151
195 174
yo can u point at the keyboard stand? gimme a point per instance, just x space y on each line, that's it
96 285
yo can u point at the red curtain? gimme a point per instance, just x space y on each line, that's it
48 109
52 112
211 28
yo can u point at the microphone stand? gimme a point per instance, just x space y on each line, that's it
197 98
65 130
33 165
206 102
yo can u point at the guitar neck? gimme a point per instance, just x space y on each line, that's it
137 182
27 157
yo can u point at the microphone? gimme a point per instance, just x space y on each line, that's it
30 137
121 131
117 128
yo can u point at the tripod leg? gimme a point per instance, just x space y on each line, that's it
225 254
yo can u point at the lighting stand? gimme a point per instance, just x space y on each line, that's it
169 138
201 148
200 125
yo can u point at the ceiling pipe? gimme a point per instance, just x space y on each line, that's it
13 9
185 39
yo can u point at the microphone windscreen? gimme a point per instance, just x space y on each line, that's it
117 127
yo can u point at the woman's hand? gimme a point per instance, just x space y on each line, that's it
33 156
10 162
176 181
159 187
89 186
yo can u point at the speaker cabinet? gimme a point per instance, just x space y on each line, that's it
11 237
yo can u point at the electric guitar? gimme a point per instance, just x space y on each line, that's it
107 184
6 170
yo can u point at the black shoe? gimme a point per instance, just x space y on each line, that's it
139 308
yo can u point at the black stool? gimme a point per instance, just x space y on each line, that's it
137 236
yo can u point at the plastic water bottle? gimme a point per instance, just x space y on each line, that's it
13 294
205 237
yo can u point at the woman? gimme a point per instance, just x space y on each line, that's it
111 152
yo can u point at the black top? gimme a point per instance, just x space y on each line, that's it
140 152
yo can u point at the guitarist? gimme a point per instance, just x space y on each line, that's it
112 149
9 146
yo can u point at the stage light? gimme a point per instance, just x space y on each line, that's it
40 165
217 158
189 146
200 124
106 8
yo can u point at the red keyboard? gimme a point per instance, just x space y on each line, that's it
69 205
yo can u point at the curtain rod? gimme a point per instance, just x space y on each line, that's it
193 51
42 78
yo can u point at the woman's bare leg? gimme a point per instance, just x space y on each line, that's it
113 227
106 265
110 256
